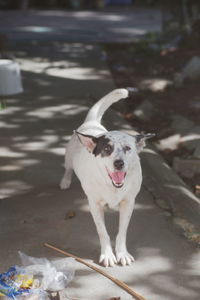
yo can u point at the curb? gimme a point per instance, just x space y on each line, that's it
171 193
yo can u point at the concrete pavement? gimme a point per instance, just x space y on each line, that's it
61 82
111 25
35 127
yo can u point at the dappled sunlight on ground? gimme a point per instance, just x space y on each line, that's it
62 69
193 265
91 26
34 125
139 206
6 152
85 15
136 31
155 263
51 111
13 187
19 164
35 128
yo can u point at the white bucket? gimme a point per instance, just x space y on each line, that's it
10 78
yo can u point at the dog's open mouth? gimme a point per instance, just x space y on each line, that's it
117 178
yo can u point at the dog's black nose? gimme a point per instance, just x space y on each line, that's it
118 164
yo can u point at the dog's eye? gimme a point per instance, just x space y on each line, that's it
108 149
127 148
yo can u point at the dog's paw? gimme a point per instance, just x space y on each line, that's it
124 258
64 184
108 259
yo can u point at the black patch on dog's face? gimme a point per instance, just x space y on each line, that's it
104 147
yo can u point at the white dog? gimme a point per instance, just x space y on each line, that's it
108 167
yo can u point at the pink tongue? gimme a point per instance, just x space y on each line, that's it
118 176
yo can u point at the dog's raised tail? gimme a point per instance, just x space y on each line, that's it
99 108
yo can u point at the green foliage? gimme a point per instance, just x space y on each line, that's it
2 104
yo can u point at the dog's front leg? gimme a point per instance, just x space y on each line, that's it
107 258
125 212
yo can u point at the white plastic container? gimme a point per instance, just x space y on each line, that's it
10 78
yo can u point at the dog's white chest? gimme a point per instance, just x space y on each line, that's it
114 201
113 196
110 196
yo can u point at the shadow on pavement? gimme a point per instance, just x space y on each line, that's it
35 128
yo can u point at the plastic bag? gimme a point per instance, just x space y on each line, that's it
11 282
17 283
52 275
32 296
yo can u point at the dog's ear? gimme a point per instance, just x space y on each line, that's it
88 141
140 140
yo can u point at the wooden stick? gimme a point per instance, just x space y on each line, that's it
115 280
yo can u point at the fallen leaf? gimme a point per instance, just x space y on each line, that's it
70 214
128 116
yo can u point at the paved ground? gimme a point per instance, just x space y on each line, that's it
121 25
61 81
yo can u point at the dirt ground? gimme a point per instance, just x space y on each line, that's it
131 64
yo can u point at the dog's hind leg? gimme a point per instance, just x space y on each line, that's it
126 209
107 258
67 178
